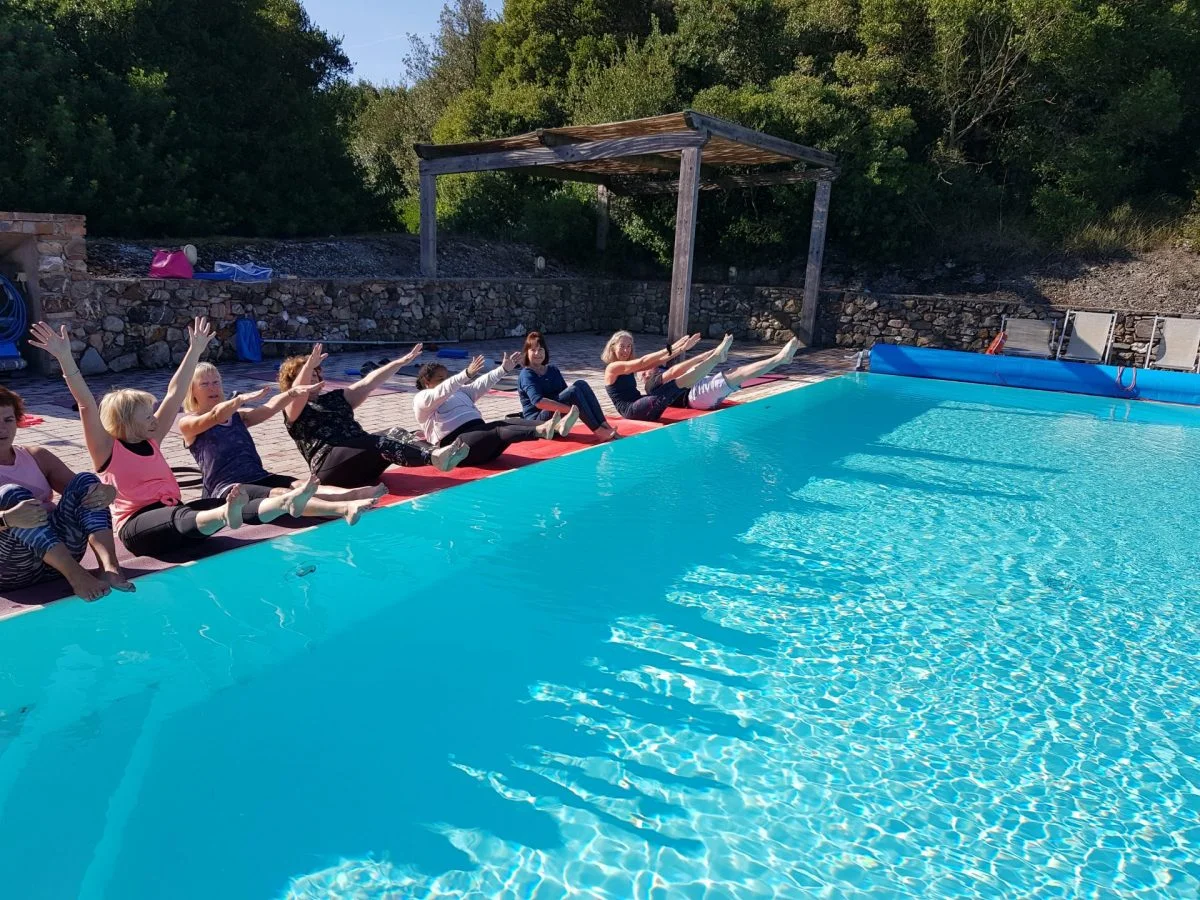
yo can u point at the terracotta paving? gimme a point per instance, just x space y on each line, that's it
577 355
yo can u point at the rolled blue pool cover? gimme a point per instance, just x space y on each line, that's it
1125 382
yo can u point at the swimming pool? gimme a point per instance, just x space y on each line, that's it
879 634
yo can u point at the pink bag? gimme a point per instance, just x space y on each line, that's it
170 264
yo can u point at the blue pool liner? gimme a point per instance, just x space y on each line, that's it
1124 382
452 353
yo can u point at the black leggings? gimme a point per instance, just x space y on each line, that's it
157 529
488 440
355 467
264 487
651 407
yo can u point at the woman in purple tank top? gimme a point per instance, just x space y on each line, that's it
217 432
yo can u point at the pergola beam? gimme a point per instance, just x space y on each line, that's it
617 148
653 163
685 243
816 253
751 138
723 182
428 225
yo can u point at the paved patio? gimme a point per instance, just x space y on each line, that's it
577 355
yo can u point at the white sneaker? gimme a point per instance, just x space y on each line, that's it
446 458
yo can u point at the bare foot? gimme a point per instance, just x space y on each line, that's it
723 347
603 434
87 586
446 458
789 351
235 502
118 582
549 429
366 493
355 509
567 422
297 498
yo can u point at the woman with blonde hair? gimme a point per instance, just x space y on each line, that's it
216 431
121 434
621 368
336 447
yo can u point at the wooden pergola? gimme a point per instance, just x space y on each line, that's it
683 152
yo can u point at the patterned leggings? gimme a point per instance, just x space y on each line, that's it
71 523
355 467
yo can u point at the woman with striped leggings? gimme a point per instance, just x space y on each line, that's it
41 539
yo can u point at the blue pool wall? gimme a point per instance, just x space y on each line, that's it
1124 382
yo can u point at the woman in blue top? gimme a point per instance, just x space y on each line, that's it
217 432
544 391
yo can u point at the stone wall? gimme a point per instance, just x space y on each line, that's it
747 312
48 252
118 324
121 323
858 321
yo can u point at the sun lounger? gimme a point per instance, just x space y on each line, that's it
1091 336
1027 337
1177 348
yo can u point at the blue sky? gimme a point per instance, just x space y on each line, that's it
375 32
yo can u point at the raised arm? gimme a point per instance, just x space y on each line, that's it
650 360
429 399
484 383
260 414
98 441
194 425
362 389
199 335
306 375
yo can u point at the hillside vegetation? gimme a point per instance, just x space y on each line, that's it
968 127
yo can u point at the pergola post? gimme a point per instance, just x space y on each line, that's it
428 223
816 253
685 240
601 218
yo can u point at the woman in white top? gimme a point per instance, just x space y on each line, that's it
445 408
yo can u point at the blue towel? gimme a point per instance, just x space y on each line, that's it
248 341
212 276
247 272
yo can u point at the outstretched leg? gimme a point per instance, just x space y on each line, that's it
759 367
686 374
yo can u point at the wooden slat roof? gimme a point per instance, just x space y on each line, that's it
728 144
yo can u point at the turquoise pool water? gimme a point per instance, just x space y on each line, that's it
877 635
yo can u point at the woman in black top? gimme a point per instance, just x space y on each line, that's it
338 450
621 368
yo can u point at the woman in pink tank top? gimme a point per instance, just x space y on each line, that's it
122 436
41 539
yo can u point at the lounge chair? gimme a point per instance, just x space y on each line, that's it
1179 346
1091 336
1027 337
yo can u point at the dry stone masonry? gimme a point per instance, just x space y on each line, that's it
49 252
122 323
